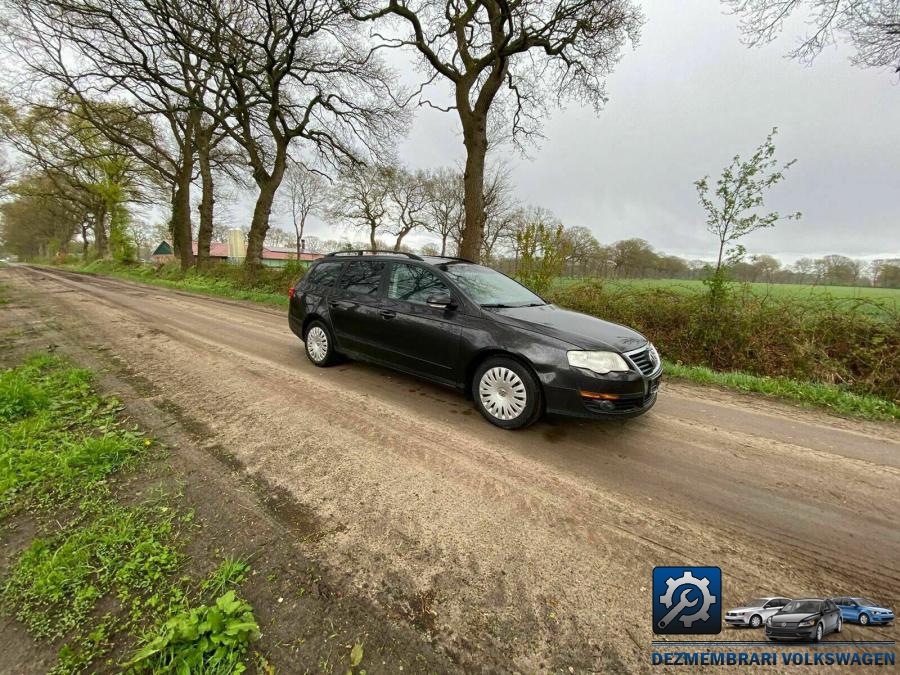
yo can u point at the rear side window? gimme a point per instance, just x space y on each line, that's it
362 277
324 274
414 284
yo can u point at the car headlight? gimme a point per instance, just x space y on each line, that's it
807 623
742 613
599 362
769 621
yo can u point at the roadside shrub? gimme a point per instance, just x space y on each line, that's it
834 341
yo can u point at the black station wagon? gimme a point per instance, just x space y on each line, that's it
465 325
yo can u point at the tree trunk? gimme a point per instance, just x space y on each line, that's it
443 245
181 216
298 230
259 226
100 239
372 241
207 199
475 140
84 239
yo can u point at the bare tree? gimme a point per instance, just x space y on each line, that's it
294 70
509 59
381 200
871 26
307 195
444 190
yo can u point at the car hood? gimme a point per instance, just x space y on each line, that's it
793 618
581 330
873 607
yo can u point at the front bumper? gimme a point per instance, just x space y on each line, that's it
738 620
788 633
615 395
881 618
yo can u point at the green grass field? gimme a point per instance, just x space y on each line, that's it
886 298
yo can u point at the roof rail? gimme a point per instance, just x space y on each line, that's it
372 251
453 257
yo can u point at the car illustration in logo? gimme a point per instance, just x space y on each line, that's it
864 611
755 612
807 619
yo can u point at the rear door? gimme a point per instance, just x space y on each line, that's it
354 307
418 337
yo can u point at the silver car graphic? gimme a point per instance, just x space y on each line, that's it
755 612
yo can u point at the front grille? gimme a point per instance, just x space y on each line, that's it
643 361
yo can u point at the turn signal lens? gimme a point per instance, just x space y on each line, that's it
595 394
291 292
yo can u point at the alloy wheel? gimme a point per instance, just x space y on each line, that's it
316 343
755 621
864 619
502 393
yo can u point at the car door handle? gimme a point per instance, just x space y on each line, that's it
338 304
388 314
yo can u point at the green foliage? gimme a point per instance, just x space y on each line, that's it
543 249
821 340
205 639
58 438
58 580
823 395
230 572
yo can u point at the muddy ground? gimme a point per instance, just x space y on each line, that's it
481 548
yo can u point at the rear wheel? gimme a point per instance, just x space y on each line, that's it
319 344
507 393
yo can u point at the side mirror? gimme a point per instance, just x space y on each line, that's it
440 301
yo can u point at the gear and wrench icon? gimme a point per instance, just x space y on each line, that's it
701 584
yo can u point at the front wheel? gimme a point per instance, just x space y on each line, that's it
820 632
507 393
755 621
840 626
864 619
319 344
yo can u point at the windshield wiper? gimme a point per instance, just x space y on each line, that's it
496 305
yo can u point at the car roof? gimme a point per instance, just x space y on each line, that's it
391 255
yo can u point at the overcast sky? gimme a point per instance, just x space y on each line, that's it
682 103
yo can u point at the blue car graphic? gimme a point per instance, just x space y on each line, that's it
864 611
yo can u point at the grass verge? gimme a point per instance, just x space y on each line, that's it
826 396
228 283
101 576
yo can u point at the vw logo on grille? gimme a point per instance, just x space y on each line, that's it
783 624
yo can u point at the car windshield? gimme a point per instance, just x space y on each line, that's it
802 607
865 602
488 287
759 602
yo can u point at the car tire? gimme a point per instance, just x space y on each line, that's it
820 633
507 393
755 621
840 625
864 619
319 344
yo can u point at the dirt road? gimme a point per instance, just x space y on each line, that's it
524 550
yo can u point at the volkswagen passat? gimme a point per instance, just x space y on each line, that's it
471 327
755 612
809 619
863 611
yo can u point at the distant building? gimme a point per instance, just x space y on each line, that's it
235 250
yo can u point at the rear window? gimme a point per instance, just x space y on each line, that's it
324 274
362 277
